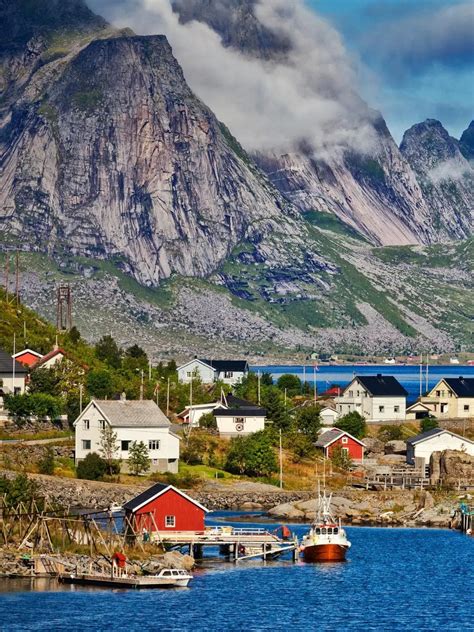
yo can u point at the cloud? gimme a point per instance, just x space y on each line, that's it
266 104
451 169
413 43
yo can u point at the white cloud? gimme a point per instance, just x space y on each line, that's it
450 170
267 105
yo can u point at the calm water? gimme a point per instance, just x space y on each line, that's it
407 375
395 579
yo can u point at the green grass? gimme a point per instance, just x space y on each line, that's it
36 436
87 100
329 221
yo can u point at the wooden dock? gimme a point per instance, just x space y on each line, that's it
236 543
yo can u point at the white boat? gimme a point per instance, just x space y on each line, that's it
166 578
326 541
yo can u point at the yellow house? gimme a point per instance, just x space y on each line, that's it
452 397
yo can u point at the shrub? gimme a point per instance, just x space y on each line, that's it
301 446
291 383
46 464
340 458
390 433
208 421
92 468
428 423
99 383
138 458
252 455
17 490
353 423
308 421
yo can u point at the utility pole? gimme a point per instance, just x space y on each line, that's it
80 397
168 398
13 363
7 276
427 370
141 385
258 387
191 391
421 374
315 395
149 370
17 279
281 463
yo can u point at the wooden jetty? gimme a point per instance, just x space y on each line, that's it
236 543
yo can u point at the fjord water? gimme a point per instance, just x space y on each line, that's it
341 374
394 579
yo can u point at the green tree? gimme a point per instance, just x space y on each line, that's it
136 352
17 490
341 458
252 455
308 421
92 468
46 464
108 448
99 383
301 446
291 383
390 432
73 335
428 423
138 458
43 405
19 406
273 403
353 423
266 379
208 421
108 351
43 380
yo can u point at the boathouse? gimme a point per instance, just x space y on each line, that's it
164 508
328 441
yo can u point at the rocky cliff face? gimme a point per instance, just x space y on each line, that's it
376 192
445 176
106 152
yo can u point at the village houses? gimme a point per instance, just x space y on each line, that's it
208 371
329 440
140 421
376 397
27 357
236 417
421 447
451 398
12 376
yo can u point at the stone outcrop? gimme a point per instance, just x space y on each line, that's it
395 447
451 467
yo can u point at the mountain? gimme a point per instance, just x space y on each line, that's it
445 176
466 142
136 169
375 191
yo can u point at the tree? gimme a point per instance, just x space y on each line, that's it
252 455
46 464
308 421
43 380
99 383
108 351
301 446
43 405
428 423
353 423
341 458
290 383
138 458
92 468
275 407
73 335
109 447
266 379
208 421
20 489
136 352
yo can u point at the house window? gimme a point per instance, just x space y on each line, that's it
344 440
239 420
189 374
86 424
86 444
381 409
228 374
154 444
351 393
345 451
466 407
438 393
102 424
396 409
125 445
170 522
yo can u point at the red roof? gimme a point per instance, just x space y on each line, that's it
56 352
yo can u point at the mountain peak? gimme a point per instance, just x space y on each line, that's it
466 142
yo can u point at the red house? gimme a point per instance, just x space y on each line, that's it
164 508
27 357
335 437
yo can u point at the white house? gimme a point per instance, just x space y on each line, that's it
328 415
237 417
375 397
209 371
421 447
192 414
131 421
12 376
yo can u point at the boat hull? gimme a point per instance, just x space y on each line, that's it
324 553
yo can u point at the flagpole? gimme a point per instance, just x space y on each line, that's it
281 463
13 363
314 385
421 374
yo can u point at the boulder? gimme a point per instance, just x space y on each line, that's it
286 511
373 446
395 447
451 467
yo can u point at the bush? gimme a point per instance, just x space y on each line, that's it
138 458
17 490
390 433
252 455
99 383
291 383
46 464
301 446
340 458
428 423
208 421
353 423
308 421
92 468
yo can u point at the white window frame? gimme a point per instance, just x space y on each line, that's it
466 408
344 440
86 444
228 374
86 424
154 444
396 409
381 408
128 441
101 424
170 522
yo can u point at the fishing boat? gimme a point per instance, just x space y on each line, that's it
166 578
326 541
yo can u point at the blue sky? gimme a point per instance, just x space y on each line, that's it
416 57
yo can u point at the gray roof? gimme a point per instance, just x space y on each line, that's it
133 413
328 437
6 364
433 433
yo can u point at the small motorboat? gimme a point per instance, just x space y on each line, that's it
326 541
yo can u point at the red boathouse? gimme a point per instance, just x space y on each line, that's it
339 438
164 508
